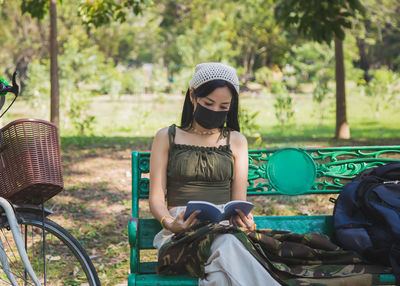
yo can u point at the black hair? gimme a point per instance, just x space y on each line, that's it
204 90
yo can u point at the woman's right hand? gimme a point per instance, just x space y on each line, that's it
179 224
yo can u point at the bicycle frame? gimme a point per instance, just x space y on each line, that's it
12 220
8 208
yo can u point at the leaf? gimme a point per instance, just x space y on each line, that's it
339 32
37 8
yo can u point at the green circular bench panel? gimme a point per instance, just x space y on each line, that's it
291 171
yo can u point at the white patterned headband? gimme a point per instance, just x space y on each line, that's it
206 72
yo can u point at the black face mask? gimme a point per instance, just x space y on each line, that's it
209 119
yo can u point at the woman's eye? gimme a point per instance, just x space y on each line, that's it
208 104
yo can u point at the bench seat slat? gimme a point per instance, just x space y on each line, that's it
147 267
148 228
155 279
298 224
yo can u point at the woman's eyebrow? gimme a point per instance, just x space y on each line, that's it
210 99
228 102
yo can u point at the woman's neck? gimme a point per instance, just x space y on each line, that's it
198 129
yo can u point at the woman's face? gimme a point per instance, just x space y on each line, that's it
218 100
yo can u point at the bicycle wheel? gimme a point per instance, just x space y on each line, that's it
67 263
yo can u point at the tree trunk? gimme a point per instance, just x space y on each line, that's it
55 90
342 127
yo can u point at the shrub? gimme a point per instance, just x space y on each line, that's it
247 121
283 104
383 89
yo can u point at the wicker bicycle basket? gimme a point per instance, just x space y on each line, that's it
30 163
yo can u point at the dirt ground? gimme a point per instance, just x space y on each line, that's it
96 205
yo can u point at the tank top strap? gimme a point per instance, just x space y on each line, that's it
171 134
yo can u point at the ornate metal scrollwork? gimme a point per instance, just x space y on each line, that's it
144 187
335 166
144 164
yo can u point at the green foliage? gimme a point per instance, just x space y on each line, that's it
173 36
283 105
111 82
37 83
377 30
78 112
159 80
265 76
321 93
181 81
290 77
37 8
319 20
128 82
103 12
248 121
384 89
312 62
82 70
136 80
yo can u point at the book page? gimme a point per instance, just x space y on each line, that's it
208 211
230 208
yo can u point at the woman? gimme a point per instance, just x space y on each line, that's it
206 159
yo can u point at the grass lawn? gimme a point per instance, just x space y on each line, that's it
96 203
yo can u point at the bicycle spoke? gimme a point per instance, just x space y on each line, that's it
14 262
65 261
8 242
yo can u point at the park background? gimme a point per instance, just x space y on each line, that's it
124 67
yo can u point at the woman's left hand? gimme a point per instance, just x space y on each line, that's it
242 220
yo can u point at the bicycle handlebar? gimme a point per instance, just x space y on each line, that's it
5 88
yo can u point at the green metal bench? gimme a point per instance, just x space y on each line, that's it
333 168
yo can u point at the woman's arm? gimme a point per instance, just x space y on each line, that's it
158 185
158 174
239 184
241 165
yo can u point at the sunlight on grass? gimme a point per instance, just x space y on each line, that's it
141 116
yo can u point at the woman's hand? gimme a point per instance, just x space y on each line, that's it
242 220
178 224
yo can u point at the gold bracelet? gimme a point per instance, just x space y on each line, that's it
164 217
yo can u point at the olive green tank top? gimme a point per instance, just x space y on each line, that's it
198 173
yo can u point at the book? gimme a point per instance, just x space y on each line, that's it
209 211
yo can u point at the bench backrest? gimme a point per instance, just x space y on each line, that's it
333 168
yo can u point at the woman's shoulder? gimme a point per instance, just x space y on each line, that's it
161 137
163 132
237 138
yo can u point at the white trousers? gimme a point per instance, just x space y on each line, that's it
229 264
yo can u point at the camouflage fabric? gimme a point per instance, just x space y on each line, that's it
291 258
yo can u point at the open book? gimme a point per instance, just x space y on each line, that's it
209 211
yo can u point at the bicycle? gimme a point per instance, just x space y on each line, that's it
57 258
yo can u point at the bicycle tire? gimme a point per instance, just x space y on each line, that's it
67 263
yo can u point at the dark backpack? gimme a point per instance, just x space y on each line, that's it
366 217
